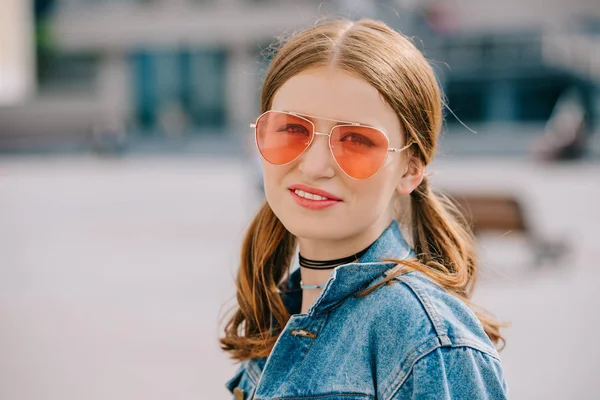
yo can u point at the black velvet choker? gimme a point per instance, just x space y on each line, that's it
330 264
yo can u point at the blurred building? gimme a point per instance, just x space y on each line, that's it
175 67
193 67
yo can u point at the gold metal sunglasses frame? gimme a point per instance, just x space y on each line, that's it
342 124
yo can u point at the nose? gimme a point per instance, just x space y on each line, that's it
317 161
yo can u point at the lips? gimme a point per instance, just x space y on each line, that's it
312 190
317 199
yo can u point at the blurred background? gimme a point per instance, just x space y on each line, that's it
128 177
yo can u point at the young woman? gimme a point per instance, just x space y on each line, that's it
379 307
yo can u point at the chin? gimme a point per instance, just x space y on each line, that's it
312 228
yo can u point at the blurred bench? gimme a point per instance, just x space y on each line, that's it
502 214
492 212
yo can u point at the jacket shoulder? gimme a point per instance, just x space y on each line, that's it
452 321
414 317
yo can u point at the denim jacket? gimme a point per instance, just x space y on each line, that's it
407 340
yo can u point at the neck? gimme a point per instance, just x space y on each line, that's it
322 250
329 249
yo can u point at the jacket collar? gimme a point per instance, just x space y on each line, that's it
347 279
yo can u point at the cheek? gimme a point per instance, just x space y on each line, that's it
273 176
369 197
375 193
269 176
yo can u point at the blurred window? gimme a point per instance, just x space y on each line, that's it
466 99
499 78
521 97
177 91
536 96
68 72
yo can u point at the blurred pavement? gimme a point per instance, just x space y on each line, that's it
113 273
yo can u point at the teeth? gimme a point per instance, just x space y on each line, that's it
310 196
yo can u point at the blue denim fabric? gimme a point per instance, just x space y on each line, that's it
407 340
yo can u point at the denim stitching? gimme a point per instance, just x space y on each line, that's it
323 396
405 367
252 372
464 342
429 307
236 377
427 353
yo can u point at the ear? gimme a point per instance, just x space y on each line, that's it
412 177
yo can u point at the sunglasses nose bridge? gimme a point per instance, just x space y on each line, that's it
328 135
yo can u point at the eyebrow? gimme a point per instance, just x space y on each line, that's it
312 119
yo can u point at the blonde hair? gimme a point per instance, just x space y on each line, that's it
442 239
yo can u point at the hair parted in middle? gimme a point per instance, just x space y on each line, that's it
440 235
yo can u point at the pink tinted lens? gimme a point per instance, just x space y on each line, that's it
282 137
359 151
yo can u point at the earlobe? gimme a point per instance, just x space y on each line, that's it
412 178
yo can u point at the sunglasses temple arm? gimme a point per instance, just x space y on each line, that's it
400 149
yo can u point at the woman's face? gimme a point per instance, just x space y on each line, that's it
364 208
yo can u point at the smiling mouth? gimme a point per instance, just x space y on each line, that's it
310 196
312 201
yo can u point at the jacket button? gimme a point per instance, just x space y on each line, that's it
238 393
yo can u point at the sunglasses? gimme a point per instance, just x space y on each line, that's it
359 150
